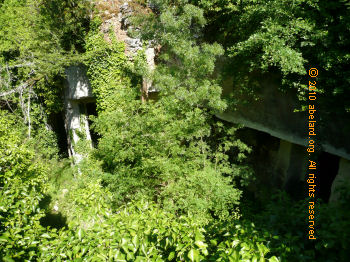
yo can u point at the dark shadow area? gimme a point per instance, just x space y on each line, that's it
56 120
277 202
284 223
329 166
285 168
297 170
45 202
91 110
261 160
8 105
53 220
153 96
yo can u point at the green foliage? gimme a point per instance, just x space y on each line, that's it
165 182
142 230
185 72
288 237
241 241
161 149
44 143
38 39
137 231
334 233
106 64
151 156
21 182
68 20
284 38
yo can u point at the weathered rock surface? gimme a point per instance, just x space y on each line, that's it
78 83
77 93
273 112
116 16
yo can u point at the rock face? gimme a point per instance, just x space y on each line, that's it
147 85
77 94
273 113
117 19
78 84
119 22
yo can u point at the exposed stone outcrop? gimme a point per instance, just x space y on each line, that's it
77 93
118 20
272 111
147 85
78 84
116 17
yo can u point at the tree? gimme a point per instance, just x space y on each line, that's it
285 38
37 41
171 149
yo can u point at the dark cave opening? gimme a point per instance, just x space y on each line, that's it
56 121
328 170
91 110
264 159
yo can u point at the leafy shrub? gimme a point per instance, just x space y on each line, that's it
143 231
287 220
137 231
21 181
334 233
166 149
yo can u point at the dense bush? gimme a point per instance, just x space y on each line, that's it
284 38
142 230
165 182
138 231
287 220
22 185
170 150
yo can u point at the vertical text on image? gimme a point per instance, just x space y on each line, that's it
312 123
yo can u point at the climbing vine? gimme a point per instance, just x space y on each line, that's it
107 68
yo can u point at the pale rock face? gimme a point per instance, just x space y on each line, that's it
78 91
150 55
79 85
133 45
121 24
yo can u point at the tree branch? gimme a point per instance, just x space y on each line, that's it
18 89
16 66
